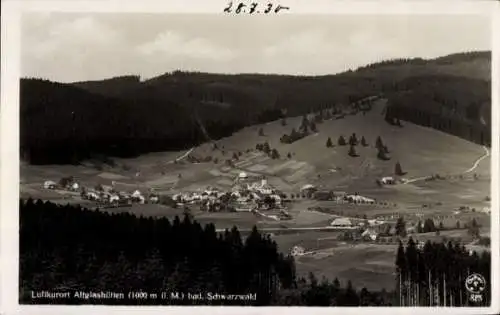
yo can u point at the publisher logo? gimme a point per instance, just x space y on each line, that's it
475 284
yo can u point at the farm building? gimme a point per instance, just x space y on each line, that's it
49 184
308 190
369 234
341 222
75 186
297 251
389 180
359 199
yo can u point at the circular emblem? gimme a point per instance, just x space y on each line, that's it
475 283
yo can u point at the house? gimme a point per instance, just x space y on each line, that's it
297 251
114 199
359 199
49 184
369 234
308 187
277 199
75 186
389 180
154 199
341 222
308 190
90 195
136 194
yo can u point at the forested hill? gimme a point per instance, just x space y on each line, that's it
124 116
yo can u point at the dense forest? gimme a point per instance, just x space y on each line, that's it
124 116
72 249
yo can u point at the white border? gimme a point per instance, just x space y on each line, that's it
9 136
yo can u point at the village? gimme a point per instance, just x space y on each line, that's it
255 195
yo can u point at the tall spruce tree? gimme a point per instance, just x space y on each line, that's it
329 143
341 141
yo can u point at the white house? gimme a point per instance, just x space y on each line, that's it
369 234
92 196
114 198
297 251
359 199
389 180
49 184
136 194
341 222
154 199
308 187
75 186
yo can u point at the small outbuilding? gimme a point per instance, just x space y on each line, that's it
341 222
49 184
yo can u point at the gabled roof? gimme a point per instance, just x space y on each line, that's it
341 221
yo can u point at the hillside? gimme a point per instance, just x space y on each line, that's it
127 117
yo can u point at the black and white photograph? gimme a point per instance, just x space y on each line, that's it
253 155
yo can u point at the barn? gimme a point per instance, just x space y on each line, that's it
341 222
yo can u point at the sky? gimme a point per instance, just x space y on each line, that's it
69 47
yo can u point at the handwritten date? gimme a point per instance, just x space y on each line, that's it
253 8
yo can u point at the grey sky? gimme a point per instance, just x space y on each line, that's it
73 47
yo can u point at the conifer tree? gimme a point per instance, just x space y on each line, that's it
329 143
398 170
341 141
379 143
353 140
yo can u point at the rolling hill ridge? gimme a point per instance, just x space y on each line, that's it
124 116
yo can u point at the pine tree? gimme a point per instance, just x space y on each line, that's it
275 154
379 144
401 227
341 141
353 140
398 170
401 267
266 148
329 143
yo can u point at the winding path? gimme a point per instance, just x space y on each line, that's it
182 156
474 166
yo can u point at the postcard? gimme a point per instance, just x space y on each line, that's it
249 156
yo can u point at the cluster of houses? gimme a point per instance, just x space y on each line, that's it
245 195
102 193
311 191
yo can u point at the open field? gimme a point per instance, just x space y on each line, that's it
369 265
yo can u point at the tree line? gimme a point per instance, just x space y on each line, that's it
68 123
435 275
